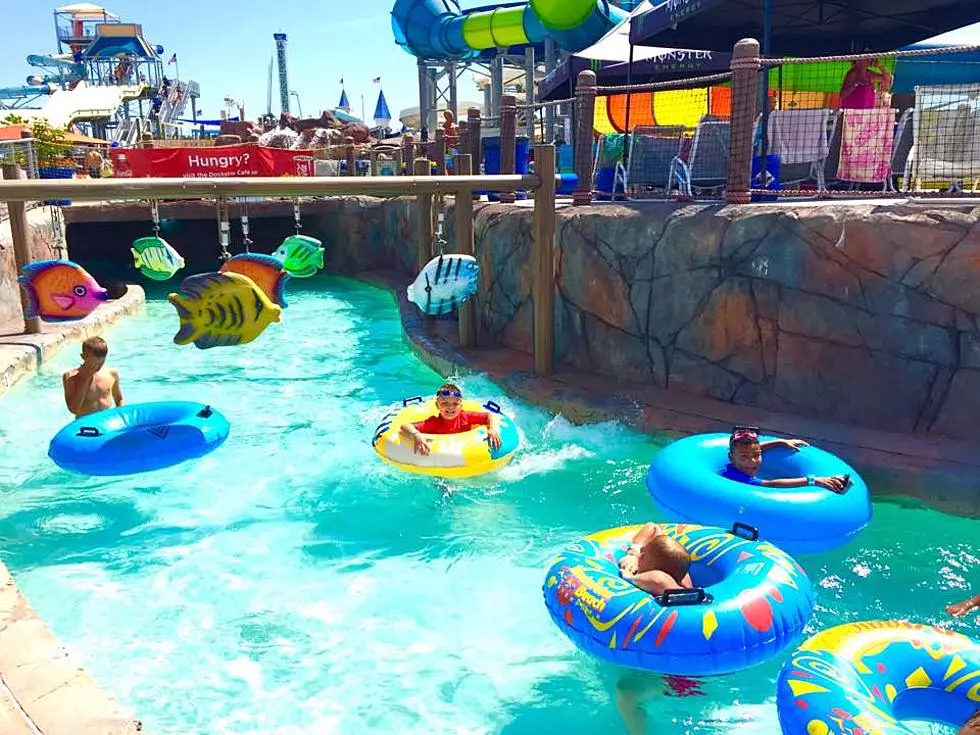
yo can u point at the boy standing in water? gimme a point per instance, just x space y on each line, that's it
452 419
92 386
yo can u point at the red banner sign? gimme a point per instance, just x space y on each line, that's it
250 159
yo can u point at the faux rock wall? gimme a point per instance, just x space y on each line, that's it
860 314
43 237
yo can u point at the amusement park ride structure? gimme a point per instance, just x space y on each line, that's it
104 76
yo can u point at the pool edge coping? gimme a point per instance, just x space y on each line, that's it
42 687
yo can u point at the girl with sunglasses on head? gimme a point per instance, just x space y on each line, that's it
745 453
452 419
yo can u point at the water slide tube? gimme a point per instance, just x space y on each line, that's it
438 29
14 93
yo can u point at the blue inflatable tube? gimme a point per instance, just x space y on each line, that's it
751 602
138 437
873 677
686 484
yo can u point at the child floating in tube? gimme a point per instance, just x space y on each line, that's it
745 453
451 419
655 563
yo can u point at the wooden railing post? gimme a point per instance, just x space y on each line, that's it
508 141
474 127
424 203
374 162
437 152
463 145
408 153
745 105
351 158
465 245
585 93
543 261
17 211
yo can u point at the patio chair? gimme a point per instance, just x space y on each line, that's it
945 137
707 165
801 139
652 149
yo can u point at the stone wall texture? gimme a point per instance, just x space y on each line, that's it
858 313
45 232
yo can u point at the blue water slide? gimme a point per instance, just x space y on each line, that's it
15 93
438 29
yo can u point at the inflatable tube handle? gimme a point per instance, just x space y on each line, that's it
89 431
740 529
409 401
492 406
681 597
206 412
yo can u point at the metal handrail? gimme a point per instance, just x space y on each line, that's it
285 186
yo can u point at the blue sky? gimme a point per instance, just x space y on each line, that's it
227 49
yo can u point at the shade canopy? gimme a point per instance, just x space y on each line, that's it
801 27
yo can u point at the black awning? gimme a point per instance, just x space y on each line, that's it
801 27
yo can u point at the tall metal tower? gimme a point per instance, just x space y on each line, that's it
283 79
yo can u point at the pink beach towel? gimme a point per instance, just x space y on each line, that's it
866 145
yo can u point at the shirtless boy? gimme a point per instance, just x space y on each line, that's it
92 386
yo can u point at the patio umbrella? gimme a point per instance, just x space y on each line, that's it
800 27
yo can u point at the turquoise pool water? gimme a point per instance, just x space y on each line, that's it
292 583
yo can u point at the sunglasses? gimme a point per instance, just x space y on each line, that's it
449 394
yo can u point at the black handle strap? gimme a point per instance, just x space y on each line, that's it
409 401
683 597
89 431
206 412
744 530
492 406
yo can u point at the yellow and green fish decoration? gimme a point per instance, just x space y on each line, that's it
156 258
222 310
301 255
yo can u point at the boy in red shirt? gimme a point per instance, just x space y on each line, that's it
451 419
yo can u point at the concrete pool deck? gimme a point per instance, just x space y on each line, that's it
43 691
942 473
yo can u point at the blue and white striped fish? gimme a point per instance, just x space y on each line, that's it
446 282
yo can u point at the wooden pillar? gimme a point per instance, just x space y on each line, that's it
463 145
17 211
745 106
397 158
585 93
508 141
544 254
465 245
147 140
474 129
424 203
351 158
437 152
374 162
408 153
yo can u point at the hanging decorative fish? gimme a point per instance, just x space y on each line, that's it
446 282
156 258
301 255
221 310
265 270
60 290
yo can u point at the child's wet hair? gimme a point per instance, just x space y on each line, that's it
671 557
743 436
95 347
450 386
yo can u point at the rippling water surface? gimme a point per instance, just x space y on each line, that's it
292 583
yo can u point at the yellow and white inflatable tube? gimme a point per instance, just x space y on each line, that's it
452 455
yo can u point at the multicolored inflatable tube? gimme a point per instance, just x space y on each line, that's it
138 437
751 602
869 677
686 484
451 455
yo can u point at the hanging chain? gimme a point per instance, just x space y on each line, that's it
155 213
296 215
440 239
58 232
224 229
246 240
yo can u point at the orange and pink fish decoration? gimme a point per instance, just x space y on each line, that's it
267 273
59 290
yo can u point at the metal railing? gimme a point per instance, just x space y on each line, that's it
543 183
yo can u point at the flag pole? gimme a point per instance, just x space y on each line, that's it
363 117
